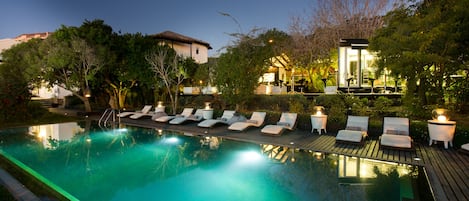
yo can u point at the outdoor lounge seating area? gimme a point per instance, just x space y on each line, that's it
185 113
396 133
355 131
145 110
228 117
196 117
287 122
465 148
395 130
256 120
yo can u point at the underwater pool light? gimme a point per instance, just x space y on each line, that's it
171 140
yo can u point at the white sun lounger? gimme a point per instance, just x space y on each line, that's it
355 131
185 113
145 110
224 119
197 116
396 133
256 120
465 148
287 122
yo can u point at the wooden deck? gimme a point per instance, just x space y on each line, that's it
447 170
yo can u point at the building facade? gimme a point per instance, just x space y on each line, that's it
358 70
185 45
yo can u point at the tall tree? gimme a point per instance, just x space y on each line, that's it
238 70
316 36
18 72
170 68
129 70
421 43
72 62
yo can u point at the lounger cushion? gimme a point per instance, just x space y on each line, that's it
158 115
195 117
465 146
138 115
353 128
240 126
399 141
395 132
273 129
251 121
159 109
177 120
125 114
350 135
283 124
164 118
210 122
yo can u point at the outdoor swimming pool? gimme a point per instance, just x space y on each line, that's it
131 163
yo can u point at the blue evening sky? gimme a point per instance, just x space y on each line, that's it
200 19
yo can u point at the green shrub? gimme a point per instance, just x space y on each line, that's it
14 94
381 104
36 109
296 107
334 105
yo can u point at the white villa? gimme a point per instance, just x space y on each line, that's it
185 45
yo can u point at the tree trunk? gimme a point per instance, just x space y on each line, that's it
86 101
176 96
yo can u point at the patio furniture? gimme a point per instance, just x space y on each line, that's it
287 122
355 131
185 113
197 116
226 118
441 131
146 109
256 120
396 133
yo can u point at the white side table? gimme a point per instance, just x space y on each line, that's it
441 131
319 123
208 114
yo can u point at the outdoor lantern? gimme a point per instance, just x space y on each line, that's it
160 104
319 110
160 107
207 105
87 92
440 114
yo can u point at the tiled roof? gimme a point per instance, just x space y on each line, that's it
26 37
169 35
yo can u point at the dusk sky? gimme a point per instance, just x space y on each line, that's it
200 19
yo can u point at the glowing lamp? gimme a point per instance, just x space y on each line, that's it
207 105
87 92
319 110
160 104
440 114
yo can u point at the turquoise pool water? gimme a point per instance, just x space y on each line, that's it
132 163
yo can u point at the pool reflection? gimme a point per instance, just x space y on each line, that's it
154 161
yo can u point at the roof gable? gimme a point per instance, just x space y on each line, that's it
172 36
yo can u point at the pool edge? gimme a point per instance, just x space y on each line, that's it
58 192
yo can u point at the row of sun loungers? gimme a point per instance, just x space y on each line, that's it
395 132
256 120
395 129
145 111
